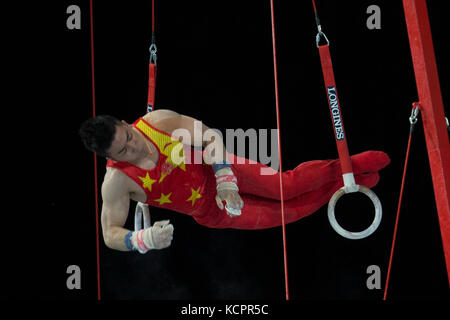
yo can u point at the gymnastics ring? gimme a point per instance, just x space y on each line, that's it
142 211
355 235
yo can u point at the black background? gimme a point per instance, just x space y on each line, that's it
215 64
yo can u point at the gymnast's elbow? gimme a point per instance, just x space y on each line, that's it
108 238
114 238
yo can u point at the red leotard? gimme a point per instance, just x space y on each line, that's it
189 187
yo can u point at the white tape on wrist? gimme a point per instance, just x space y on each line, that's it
139 242
227 186
142 247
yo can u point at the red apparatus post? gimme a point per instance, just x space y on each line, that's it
432 110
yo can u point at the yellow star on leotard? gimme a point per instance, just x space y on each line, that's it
164 199
195 195
147 182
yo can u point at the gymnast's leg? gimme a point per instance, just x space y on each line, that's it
262 213
306 177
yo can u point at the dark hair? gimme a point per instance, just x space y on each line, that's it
98 133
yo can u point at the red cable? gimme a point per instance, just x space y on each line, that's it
397 217
152 69
95 155
314 6
153 15
283 222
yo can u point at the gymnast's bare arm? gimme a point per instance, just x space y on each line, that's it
116 203
170 121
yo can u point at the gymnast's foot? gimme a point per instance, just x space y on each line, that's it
369 162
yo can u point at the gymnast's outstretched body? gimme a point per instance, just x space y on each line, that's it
141 167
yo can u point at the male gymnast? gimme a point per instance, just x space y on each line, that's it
142 167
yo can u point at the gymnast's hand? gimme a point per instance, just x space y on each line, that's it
228 191
233 200
159 236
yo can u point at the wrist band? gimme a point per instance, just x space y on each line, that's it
128 243
226 178
218 166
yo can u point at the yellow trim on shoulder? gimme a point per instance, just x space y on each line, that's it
171 148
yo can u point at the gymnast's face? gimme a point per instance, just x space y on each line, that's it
128 145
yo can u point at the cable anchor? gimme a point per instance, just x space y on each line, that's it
414 113
153 49
319 30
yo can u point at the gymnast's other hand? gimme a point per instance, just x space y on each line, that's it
233 200
159 236
162 234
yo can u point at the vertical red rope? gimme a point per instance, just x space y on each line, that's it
314 6
153 15
283 221
397 217
95 155
152 67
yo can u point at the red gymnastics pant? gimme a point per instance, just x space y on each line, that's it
307 188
